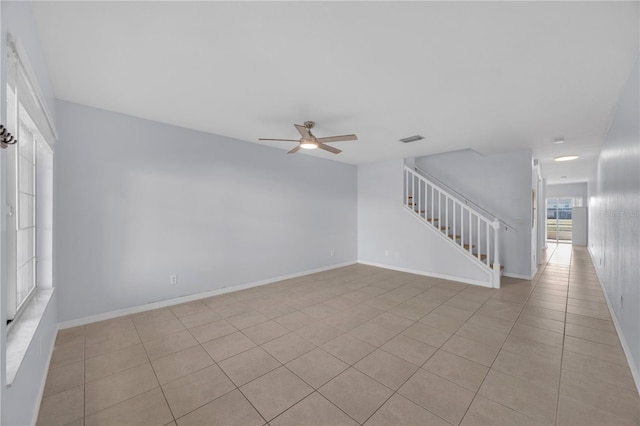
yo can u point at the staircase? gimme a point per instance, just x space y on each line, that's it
475 234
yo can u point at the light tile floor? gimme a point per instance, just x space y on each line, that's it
356 345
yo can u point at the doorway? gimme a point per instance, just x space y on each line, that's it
559 221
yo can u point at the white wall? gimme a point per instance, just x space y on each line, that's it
385 226
500 183
614 219
568 190
138 201
20 401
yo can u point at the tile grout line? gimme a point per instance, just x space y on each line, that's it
427 360
153 369
314 389
318 391
535 283
281 365
380 348
238 387
440 348
223 372
422 365
564 334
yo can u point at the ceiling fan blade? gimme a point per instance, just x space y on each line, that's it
338 138
304 132
286 140
329 148
294 150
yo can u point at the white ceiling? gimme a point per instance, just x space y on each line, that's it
491 76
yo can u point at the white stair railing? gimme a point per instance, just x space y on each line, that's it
472 232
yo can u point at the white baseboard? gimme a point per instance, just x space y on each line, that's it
428 274
625 347
43 383
519 276
170 302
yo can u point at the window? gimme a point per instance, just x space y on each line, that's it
21 223
559 220
23 175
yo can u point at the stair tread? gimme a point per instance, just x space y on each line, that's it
466 246
432 219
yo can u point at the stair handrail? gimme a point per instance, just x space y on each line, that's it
486 217
466 199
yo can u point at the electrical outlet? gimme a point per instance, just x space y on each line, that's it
331 252
173 279
386 253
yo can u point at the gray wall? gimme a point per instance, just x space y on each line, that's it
138 201
389 236
19 402
501 184
568 190
614 219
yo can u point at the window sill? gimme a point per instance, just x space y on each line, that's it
23 330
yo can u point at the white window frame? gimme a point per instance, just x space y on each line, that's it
24 106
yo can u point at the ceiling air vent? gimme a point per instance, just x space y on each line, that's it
411 139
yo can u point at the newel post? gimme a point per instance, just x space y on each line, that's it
496 254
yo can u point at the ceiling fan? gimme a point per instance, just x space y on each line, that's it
308 141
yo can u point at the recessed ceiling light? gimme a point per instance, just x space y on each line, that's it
559 140
563 177
411 139
566 158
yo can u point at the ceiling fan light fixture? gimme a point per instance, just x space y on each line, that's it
308 144
566 158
